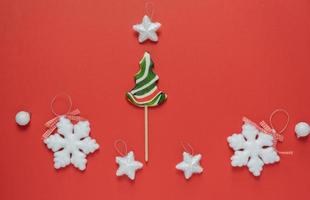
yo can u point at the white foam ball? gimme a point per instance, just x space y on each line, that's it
22 118
302 129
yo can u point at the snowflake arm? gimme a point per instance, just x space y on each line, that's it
81 129
61 159
264 140
269 155
88 145
55 142
240 158
64 126
255 165
236 141
78 159
249 131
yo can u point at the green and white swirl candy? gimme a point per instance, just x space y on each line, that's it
146 92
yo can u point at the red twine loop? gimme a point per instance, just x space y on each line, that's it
123 143
71 115
269 129
149 9
187 148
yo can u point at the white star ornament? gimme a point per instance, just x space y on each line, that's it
127 165
147 29
190 165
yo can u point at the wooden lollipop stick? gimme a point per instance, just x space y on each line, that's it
146 134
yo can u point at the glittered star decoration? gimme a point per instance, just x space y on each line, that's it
127 165
190 165
147 29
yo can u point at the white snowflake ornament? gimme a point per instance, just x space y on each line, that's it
71 143
128 165
253 148
147 29
190 165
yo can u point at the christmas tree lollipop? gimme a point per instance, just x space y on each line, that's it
145 93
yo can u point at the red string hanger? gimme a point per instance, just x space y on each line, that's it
271 130
187 148
70 114
123 150
149 9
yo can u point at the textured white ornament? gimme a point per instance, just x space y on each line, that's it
302 129
190 165
71 144
147 29
252 149
22 118
127 165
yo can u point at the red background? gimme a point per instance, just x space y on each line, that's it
218 60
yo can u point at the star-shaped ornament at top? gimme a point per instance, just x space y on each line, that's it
127 165
190 165
147 29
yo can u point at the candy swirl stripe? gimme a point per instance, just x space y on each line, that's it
146 63
148 84
157 100
147 94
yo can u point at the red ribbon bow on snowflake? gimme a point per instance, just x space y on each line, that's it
277 135
52 124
